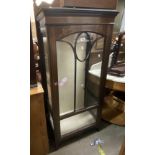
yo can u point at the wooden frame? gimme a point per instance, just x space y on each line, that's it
56 23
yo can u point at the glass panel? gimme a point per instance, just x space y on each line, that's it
94 71
89 50
78 121
45 42
79 63
80 85
80 71
65 64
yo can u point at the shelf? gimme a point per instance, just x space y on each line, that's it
76 122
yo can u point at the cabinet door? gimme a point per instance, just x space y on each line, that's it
79 55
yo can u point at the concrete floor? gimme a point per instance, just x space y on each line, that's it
112 135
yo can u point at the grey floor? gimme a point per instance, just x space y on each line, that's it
112 135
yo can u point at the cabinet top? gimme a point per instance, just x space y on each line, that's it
36 90
75 12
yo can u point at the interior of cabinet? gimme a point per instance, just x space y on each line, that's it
76 53
78 121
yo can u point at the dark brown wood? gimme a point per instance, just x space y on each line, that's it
33 80
38 129
57 23
105 59
54 83
106 4
64 31
76 12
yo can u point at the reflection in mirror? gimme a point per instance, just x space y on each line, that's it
79 60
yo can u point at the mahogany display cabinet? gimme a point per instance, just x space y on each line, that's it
74 42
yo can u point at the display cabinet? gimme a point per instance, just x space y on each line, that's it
73 42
